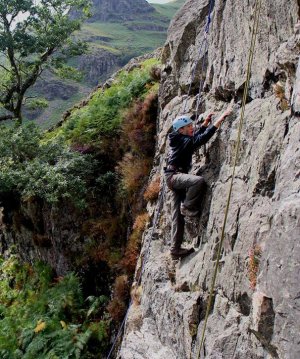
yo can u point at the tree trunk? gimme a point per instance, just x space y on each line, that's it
18 109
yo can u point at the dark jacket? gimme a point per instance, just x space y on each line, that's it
183 146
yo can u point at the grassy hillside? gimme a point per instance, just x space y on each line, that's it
111 45
170 8
120 40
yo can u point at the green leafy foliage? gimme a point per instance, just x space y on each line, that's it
35 103
48 170
103 115
42 318
68 72
30 33
79 160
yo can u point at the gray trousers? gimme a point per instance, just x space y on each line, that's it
189 190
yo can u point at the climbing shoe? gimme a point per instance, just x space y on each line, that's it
181 253
188 212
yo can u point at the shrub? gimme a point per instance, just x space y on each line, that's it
134 171
134 243
152 191
51 171
138 140
118 305
43 319
103 114
140 222
139 126
155 73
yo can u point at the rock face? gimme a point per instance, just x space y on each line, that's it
98 66
42 233
107 10
55 89
256 306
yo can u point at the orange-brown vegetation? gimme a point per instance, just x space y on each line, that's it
279 92
139 126
138 141
109 241
102 228
155 73
136 294
152 191
134 243
118 304
253 265
134 171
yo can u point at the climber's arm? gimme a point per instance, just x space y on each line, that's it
223 117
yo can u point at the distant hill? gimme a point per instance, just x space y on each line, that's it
120 10
159 1
169 9
117 31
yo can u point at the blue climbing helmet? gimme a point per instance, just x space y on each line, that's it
181 121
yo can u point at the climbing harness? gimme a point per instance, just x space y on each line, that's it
144 262
237 150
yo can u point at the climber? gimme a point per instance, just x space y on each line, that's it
186 189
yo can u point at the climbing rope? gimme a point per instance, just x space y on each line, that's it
204 44
162 193
237 150
138 281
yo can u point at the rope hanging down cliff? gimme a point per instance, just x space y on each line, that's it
237 150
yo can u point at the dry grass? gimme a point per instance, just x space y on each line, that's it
155 73
253 265
279 92
134 243
134 171
136 294
152 191
118 305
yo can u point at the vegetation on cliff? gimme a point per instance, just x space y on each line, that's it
47 317
97 162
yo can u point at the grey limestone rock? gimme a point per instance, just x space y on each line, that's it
255 312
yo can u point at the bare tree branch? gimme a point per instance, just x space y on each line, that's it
6 117
4 68
28 98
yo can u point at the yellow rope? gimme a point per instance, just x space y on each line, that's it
250 60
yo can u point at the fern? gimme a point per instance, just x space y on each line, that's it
40 319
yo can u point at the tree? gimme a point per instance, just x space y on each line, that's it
34 34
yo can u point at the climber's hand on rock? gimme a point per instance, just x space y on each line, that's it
207 121
223 116
227 112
